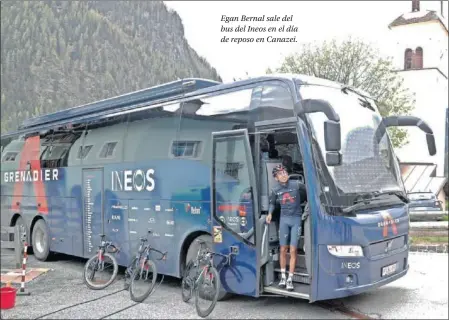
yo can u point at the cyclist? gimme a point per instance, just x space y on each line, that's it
289 194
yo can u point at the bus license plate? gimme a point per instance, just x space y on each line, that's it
386 271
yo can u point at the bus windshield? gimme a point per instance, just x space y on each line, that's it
368 165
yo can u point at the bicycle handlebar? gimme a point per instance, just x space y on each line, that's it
226 256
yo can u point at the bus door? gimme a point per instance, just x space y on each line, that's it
235 211
92 209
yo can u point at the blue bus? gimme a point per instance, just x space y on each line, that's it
193 159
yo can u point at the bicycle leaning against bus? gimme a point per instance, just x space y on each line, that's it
105 251
199 275
142 269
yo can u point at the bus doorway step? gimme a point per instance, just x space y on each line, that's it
300 275
301 291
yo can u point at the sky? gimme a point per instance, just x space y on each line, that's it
316 21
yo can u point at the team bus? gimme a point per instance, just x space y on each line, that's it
192 159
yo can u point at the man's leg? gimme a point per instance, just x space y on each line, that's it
295 233
284 232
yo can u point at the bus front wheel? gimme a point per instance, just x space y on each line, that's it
191 255
41 240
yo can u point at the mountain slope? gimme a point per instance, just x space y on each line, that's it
59 54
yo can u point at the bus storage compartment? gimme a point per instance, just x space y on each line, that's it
60 237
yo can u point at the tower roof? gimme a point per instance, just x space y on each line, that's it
418 17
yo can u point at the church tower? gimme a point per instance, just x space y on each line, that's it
420 56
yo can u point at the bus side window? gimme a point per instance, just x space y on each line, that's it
276 102
11 151
102 142
56 146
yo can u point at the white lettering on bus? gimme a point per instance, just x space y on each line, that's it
31 176
350 265
129 180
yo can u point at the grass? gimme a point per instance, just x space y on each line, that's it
445 217
429 240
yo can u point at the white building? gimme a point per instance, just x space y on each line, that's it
421 58
420 44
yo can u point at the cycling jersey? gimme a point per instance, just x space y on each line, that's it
289 196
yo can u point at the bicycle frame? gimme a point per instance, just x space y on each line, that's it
143 251
208 256
101 250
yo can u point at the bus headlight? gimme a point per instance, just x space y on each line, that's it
345 251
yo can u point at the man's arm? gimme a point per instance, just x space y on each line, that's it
272 205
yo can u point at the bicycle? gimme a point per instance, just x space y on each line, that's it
143 268
200 272
105 250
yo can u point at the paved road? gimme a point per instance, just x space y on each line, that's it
421 294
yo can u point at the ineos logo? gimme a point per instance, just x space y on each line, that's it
129 180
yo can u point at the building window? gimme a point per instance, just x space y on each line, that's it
408 59
418 58
413 59
185 149
108 150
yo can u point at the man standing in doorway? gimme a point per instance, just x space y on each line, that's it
289 194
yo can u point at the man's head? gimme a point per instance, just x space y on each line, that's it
280 173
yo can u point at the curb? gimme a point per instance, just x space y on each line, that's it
434 248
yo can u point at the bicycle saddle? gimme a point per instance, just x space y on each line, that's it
102 235
143 239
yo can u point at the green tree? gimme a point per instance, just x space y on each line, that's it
357 64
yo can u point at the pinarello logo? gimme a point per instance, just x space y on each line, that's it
187 207
387 222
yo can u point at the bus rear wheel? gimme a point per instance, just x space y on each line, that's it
191 255
41 240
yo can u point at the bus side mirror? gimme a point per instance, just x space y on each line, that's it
409 121
431 144
332 142
332 132
333 158
332 135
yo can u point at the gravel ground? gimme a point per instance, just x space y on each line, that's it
421 294
63 287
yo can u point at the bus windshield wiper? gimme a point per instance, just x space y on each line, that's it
363 102
367 198
398 194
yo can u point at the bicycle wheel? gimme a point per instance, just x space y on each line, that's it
143 281
92 268
128 272
208 286
188 281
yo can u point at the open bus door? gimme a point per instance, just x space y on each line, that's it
234 211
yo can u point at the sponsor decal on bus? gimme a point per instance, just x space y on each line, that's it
132 180
193 210
31 175
388 221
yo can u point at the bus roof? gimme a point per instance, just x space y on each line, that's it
168 91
